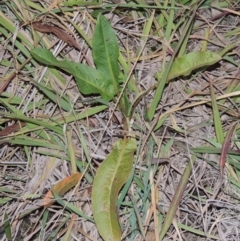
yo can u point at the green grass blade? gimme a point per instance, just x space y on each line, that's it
216 116
70 206
177 198
7 227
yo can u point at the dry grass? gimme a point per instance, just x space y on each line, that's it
52 141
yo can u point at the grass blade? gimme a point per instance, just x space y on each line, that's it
176 199
7 227
225 148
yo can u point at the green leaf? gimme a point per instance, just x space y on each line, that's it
79 3
89 80
6 190
57 99
196 231
7 227
29 141
164 78
19 116
70 206
105 51
4 200
183 66
216 116
110 177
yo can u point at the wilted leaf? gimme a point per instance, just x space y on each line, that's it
12 128
225 148
46 28
61 188
110 177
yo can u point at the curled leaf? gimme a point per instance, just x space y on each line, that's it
46 28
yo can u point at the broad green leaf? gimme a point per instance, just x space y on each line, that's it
89 80
183 66
110 177
164 78
105 51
